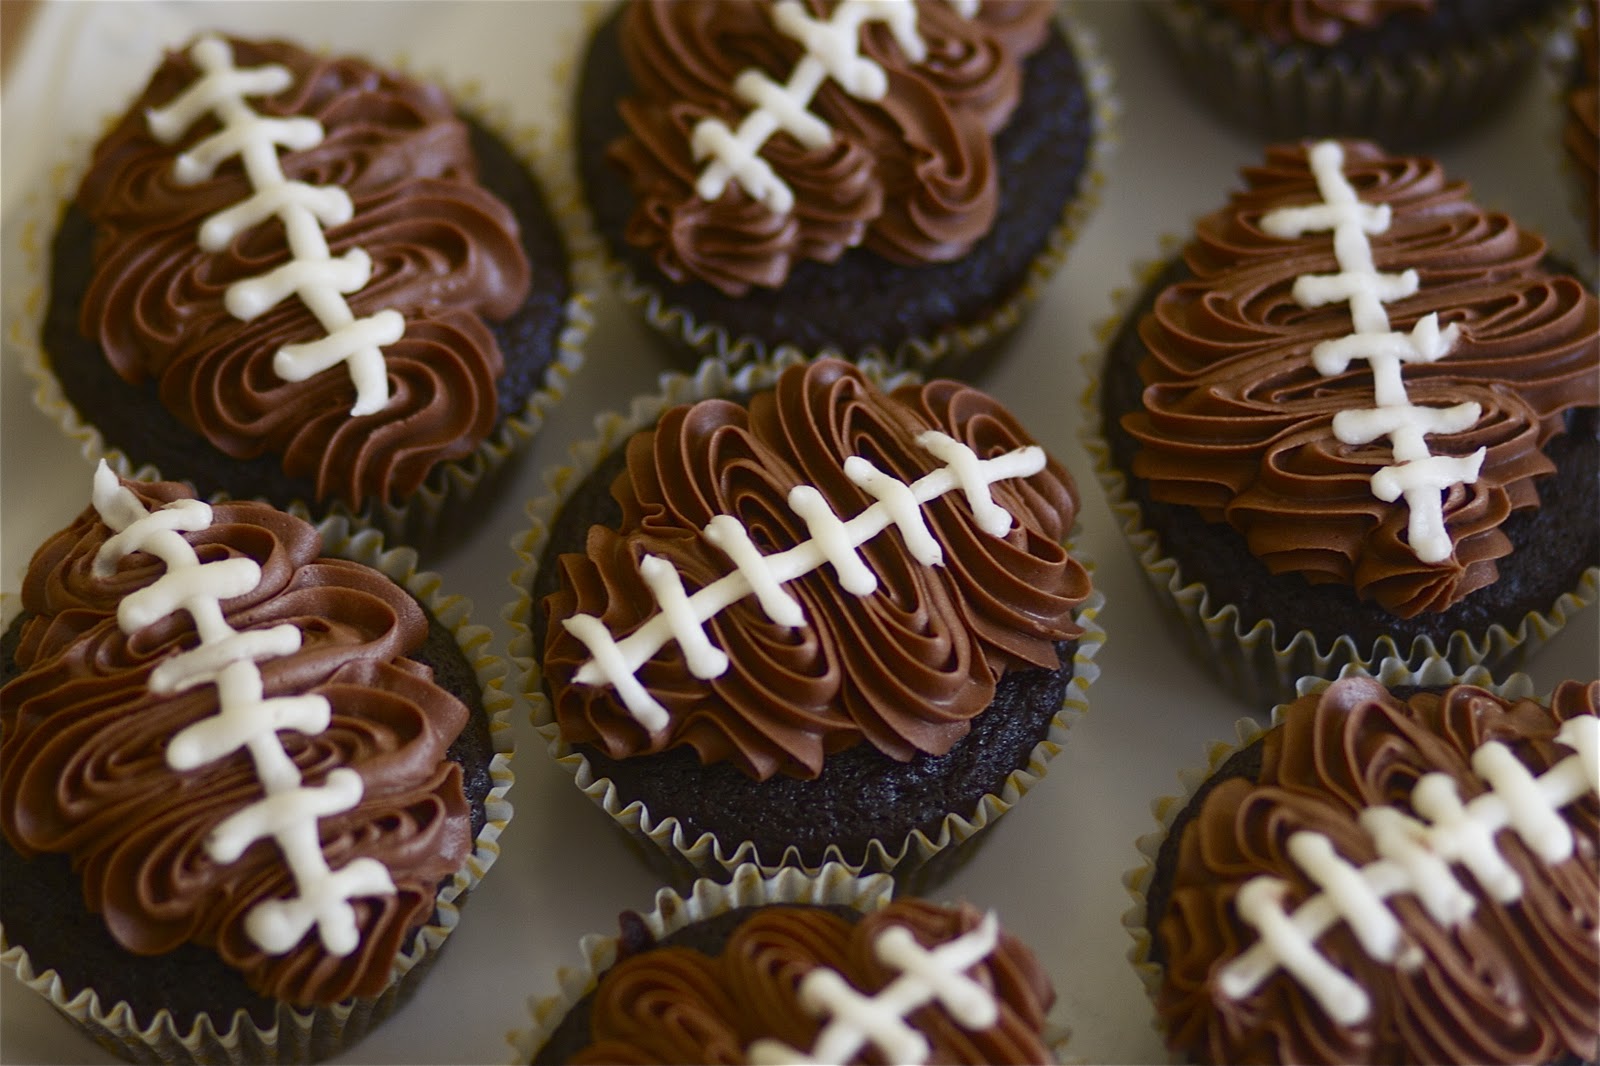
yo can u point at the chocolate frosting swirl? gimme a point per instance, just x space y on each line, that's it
1516 982
911 177
679 1005
445 252
1238 421
905 668
83 768
1319 22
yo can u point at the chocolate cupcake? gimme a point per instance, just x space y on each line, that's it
734 676
1405 72
306 279
838 179
244 785
795 968
1336 453
1394 872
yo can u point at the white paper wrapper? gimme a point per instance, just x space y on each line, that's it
1390 672
955 351
664 841
1262 662
429 513
747 886
306 1034
1292 91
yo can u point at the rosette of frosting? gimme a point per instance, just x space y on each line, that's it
905 667
1238 422
1516 981
910 176
672 1004
445 255
83 748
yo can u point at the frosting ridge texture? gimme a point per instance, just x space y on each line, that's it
83 767
905 667
445 254
1514 981
910 176
1238 423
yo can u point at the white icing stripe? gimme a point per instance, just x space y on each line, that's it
833 50
833 542
1415 861
246 719
312 274
856 1020
1418 476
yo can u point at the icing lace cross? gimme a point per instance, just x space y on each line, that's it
1418 475
312 274
856 1020
1415 858
246 719
832 51
833 541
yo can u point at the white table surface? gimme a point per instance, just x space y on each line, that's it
1052 867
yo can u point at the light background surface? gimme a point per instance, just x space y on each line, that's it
1053 866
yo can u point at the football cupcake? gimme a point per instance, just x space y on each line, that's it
303 278
244 785
793 968
1391 873
1405 72
812 621
848 178
1354 419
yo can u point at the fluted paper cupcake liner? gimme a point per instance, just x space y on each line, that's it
958 348
428 514
1262 662
1283 92
747 886
297 1034
1392 673
665 843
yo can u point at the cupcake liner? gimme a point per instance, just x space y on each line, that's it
956 350
309 1034
1287 91
664 842
1258 662
1390 672
831 885
427 514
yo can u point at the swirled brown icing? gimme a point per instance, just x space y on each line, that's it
82 752
905 668
445 251
1237 421
1582 132
1318 22
912 177
1516 982
720 1004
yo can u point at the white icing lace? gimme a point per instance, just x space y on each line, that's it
833 49
855 1020
245 719
1415 859
1418 476
832 541
312 274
